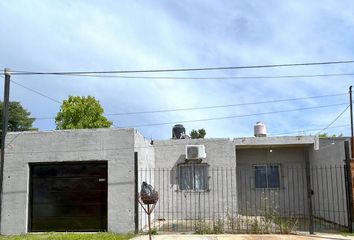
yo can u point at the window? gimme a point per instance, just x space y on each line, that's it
267 176
193 177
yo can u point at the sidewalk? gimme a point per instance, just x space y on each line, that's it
243 236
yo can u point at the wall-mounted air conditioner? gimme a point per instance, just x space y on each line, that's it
195 152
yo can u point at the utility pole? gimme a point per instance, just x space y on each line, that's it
5 121
351 120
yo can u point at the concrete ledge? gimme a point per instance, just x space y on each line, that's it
277 141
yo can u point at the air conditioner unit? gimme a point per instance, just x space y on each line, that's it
195 152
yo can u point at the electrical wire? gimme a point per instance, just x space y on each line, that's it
213 78
186 109
12 140
43 95
195 69
203 69
227 105
218 118
35 91
208 107
21 72
330 124
307 130
235 116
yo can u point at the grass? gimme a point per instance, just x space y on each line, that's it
69 236
346 233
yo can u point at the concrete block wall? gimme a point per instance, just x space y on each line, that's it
116 146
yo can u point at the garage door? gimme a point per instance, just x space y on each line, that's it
68 197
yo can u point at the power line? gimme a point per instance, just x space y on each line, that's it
307 130
20 72
187 109
334 120
43 95
168 110
213 78
207 119
208 107
35 91
235 116
227 105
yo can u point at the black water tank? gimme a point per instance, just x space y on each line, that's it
177 131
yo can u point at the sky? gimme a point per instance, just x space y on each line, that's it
139 35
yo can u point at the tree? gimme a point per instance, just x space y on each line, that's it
81 112
19 118
325 135
198 134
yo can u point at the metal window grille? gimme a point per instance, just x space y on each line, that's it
267 176
193 177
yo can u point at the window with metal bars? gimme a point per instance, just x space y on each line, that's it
267 176
193 177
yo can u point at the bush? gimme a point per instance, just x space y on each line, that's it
201 227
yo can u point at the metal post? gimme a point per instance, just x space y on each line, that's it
349 186
149 220
136 193
309 190
5 120
351 120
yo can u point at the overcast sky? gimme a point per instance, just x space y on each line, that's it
132 35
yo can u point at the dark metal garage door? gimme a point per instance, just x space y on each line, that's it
68 197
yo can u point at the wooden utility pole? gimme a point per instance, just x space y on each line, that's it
5 121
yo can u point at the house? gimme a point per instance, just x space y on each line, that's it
87 180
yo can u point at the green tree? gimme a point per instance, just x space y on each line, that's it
19 118
194 134
81 112
198 134
201 133
325 135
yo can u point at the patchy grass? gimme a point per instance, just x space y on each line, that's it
347 234
69 236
